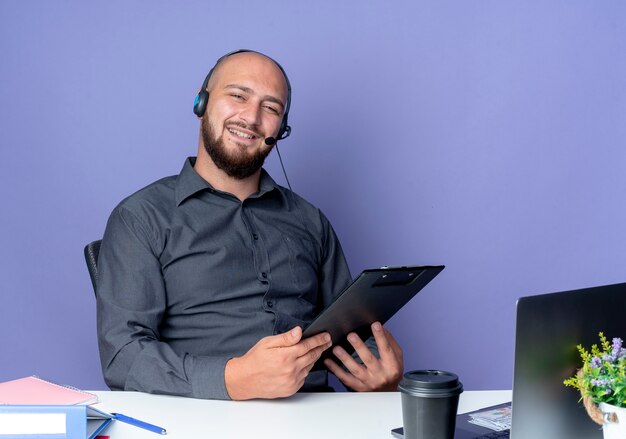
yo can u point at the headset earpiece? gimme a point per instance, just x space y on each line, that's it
202 98
284 132
199 104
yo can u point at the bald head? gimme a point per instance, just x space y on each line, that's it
251 66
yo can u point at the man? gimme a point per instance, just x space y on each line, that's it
207 278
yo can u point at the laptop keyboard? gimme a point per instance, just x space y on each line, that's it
505 434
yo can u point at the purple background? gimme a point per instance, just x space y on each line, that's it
487 135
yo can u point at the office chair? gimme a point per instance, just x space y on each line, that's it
91 258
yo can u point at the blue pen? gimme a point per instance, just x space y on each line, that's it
138 423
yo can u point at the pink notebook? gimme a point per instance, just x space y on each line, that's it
36 391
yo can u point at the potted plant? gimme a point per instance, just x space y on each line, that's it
602 385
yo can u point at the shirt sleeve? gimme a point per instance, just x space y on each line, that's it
131 303
334 274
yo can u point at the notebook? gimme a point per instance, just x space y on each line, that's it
33 390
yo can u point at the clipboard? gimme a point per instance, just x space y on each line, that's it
375 295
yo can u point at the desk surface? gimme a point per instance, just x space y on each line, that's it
306 415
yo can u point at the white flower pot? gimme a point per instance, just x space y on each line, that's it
614 430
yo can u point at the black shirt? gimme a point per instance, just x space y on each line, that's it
189 277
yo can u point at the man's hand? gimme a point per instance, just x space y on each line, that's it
375 374
275 367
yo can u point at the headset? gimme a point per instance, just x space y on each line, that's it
200 103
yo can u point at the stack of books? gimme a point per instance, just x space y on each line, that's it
33 407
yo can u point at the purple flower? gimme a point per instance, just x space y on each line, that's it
601 382
607 357
608 392
596 362
617 347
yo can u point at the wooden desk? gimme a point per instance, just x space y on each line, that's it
312 415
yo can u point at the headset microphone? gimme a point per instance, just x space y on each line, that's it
286 131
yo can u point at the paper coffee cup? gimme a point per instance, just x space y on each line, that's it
430 399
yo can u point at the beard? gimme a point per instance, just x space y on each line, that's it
236 164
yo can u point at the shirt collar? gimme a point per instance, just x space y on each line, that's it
189 183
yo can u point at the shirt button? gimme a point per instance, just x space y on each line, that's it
270 304
255 236
264 274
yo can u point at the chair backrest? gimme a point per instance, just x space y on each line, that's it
91 258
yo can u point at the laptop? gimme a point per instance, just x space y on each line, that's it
548 329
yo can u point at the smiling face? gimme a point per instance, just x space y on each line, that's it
247 96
